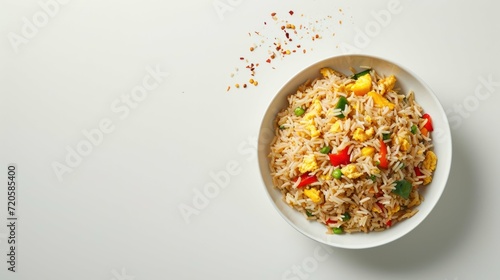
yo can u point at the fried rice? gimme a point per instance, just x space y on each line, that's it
352 151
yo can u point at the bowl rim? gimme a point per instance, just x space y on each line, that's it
444 170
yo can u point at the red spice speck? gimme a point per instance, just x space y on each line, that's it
242 58
273 14
268 60
291 12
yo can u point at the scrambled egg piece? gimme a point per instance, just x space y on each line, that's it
368 119
430 161
336 127
427 180
313 194
386 84
314 111
415 202
405 144
309 164
308 120
327 72
325 177
368 151
375 170
361 135
394 210
314 132
362 85
350 171
380 101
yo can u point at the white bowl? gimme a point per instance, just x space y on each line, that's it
441 139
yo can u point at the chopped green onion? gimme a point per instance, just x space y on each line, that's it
299 111
282 127
403 189
309 214
347 217
337 230
341 105
362 73
325 150
414 129
373 177
377 163
337 173
386 136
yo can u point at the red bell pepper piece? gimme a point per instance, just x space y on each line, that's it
417 171
384 163
380 205
341 157
306 179
388 223
330 221
428 124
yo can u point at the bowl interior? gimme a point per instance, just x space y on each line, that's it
406 81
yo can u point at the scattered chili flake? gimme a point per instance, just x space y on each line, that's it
280 46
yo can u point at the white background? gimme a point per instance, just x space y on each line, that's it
115 213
